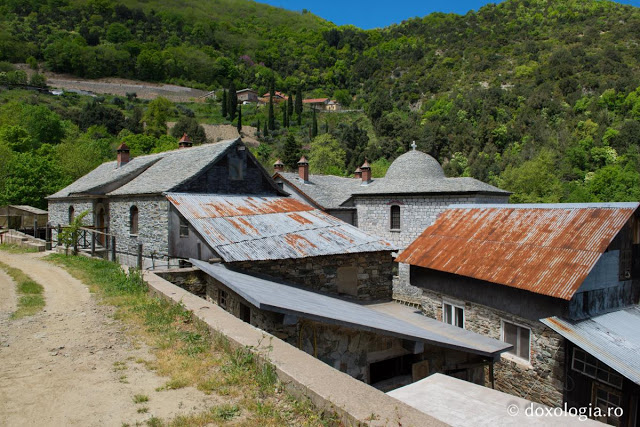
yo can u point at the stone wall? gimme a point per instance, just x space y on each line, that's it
416 213
153 228
374 272
59 211
542 378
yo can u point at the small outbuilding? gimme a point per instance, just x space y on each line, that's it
23 218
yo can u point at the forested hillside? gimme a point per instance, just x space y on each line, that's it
538 97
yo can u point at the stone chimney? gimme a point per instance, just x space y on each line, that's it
185 142
278 166
366 173
358 173
303 169
123 154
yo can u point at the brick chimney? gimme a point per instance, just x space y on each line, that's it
123 154
358 173
303 169
278 166
365 173
185 142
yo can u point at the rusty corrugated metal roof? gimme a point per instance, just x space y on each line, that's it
546 249
243 228
612 338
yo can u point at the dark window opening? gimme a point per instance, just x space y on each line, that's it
245 313
389 368
71 214
395 217
222 298
236 169
184 227
133 220
518 336
280 185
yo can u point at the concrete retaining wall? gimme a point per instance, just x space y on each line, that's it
356 403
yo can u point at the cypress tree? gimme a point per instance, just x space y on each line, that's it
285 118
224 104
289 107
265 131
271 118
298 105
326 126
258 128
239 118
314 125
233 101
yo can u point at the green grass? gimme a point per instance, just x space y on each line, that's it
140 398
190 355
30 298
16 249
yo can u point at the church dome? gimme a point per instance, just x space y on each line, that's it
415 164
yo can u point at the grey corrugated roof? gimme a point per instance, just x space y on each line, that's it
612 338
426 186
150 174
328 191
272 296
29 209
242 228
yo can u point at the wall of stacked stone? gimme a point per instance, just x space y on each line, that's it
416 213
153 228
375 272
59 213
541 379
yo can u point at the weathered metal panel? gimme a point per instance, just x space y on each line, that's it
242 228
612 338
548 250
281 298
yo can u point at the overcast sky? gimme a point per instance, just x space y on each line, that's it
377 13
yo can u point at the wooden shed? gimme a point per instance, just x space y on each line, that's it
22 217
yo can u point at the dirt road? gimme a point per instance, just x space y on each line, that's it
73 364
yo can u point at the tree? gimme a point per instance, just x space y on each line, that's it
239 119
298 105
97 114
156 116
70 235
271 117
285 118
225 107
233 101
326 156
191 127
38 80
134 123
258 127
291 152
289 106
314 125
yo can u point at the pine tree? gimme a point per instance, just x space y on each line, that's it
298 106
239 118
271 117
258 128
265 131
291 153
224 104
326 126
314 125
285 118
233 101
289 106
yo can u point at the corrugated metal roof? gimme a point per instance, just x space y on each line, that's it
243 228
546 249
281 298
612 338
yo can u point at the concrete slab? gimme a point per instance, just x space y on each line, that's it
461 403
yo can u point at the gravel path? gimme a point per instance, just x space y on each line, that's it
73 364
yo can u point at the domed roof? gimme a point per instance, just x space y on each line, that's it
415 164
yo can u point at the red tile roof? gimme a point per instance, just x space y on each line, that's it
315 101
548 250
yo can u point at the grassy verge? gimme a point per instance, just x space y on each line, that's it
188 355
16 249
30 298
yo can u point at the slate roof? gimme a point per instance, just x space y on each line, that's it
150 174
282 298
547 249
415 164
327 191
245 228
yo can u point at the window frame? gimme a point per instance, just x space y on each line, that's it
453 317
398 211
183 228
134 216
516 347
222 298
597 367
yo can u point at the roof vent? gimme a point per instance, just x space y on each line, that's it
303 169
185 142
123 154
278 166
365 173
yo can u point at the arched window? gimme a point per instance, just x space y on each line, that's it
133 220
395 217
71 214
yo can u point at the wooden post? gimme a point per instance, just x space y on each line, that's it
47 237
139 256
93 243
35 228
113 247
